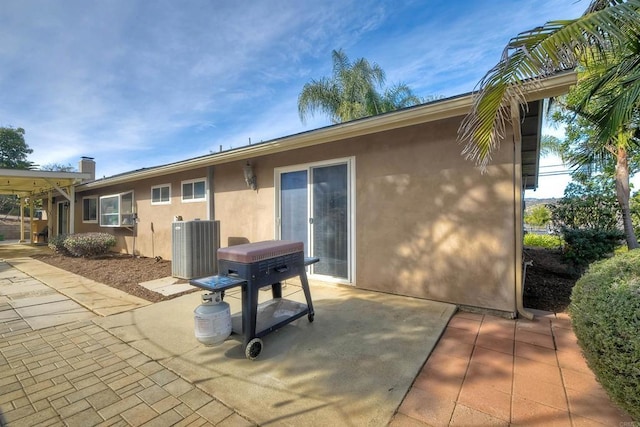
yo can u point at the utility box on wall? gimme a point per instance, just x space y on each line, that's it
194 246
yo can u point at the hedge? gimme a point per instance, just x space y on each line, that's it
83 244
605 310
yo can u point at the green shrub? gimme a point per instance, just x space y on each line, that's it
89 244
605 310
542 240
56 243
584 246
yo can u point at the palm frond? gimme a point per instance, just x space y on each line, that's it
533 55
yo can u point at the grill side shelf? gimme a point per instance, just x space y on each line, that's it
217 283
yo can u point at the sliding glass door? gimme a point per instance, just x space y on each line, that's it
314 207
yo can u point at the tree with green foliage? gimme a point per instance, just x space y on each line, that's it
589 202
538 215
353 92
583 150
588 218
58 167
13 149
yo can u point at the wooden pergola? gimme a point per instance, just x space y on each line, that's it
31 185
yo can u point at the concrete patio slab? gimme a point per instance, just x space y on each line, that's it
351 366
167 286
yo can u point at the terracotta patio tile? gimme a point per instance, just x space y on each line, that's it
537 353
562 321
461 335
540 391
447 365
534 371
539 325
502 345
530 413
470 325
535 338
597 408
583 382
584 422
564 338
486 399
438 384
453 347
468 315
495 376
574 360
426 408
497 327
465 416
491 357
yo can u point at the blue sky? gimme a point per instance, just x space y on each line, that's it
137 83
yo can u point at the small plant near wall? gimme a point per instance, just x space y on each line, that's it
89 244
56 244
83 244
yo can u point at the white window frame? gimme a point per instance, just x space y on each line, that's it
192 182
124 219
90 221
160 187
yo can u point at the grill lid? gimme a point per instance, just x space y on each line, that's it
258 251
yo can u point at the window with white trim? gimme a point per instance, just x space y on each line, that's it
116 210
161 194
90 209
194 190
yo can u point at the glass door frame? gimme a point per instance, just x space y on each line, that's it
351 214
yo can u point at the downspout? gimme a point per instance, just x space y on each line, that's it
517 210
211 205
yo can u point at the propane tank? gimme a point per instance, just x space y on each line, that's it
212 319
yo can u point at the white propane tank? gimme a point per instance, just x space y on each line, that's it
213 320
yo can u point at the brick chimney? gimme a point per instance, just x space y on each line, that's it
87 165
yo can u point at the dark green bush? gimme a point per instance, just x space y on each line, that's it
89 244
605 310
584 246
56 243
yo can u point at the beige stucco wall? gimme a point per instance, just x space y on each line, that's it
428 224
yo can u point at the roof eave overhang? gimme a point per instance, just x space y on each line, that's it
27 182
439 110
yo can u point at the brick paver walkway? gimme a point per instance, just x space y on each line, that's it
78 374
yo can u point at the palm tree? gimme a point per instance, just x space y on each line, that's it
584 147
603 41
352 92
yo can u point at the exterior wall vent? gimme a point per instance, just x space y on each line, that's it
194 246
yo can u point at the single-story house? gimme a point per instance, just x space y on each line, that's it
387 203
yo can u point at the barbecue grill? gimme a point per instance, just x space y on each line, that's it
253 266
